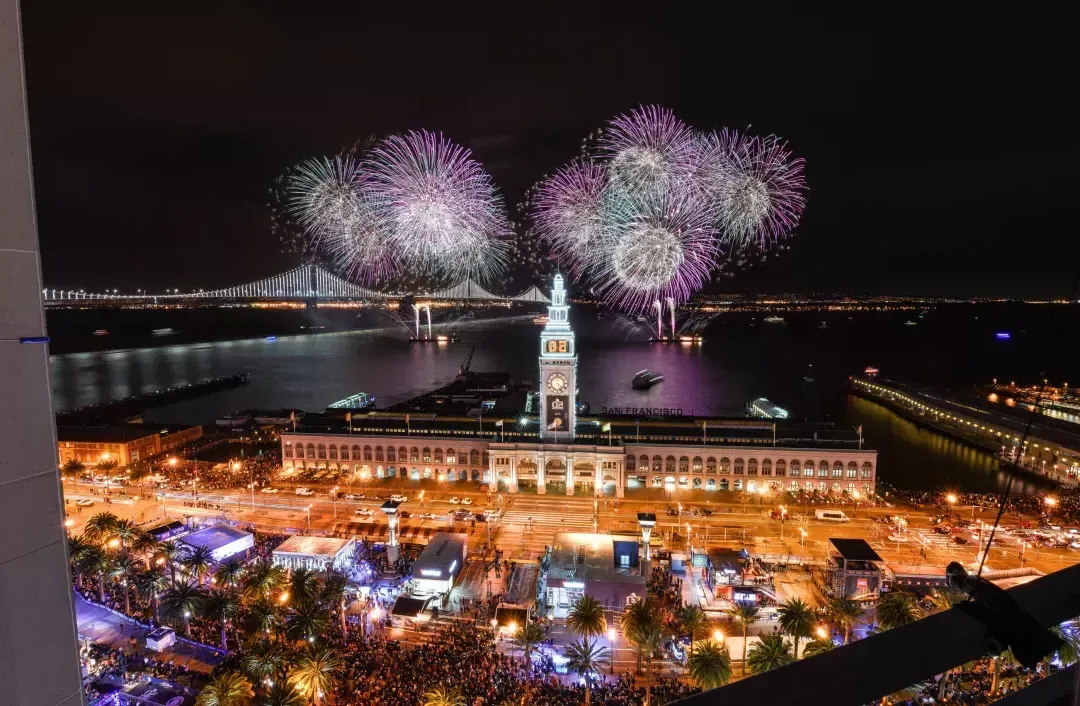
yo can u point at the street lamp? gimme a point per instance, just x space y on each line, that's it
333 496
172 461
802 537
951 499
856 495
718 636
611 642
821 632
309 517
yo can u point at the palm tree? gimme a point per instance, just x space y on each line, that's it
197 563
263 616
303 585
772 652
96 561
585 658
107 467
307 621
153 583
228 689
586 618
264 660
817 647
648 642
126 531
283 694
844 613
637 619
526 636
124 569
101 526
229 573
334 595
796 619
314 672
1006 657
181 601
139 472
78 546
693 620
710 665
221 605
262 579
146 545
170 550
895 609
445 696
72 467
747 615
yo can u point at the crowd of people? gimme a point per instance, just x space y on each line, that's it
106 667
974 686
1066 501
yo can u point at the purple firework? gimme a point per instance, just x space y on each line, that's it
571 215
649 151
758 186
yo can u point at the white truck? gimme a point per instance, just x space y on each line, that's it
831 516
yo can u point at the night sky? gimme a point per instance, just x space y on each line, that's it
941 152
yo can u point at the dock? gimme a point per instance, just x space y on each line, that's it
128 408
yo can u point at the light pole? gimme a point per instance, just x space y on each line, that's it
951 500
611 642
802 537
856 495
333 497
309 517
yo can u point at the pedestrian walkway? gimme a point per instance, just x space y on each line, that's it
106 627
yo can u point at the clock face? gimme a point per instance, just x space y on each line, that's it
556 383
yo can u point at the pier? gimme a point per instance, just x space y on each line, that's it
131 407
1049 452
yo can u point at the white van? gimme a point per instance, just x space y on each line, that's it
304 491
831 516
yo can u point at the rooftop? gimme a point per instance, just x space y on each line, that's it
587 556
442 549
854 549
316 546
214 537
104 435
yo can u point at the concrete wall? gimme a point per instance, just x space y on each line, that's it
38 654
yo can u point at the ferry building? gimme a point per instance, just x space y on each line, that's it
553 450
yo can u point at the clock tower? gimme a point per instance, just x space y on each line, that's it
558 370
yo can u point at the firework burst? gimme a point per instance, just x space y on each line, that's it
438 206
571 214
649 151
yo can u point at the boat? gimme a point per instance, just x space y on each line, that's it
910 323
871 371
162 332
645 379
101 332
360 400
540 320
775 320
809 377
823 324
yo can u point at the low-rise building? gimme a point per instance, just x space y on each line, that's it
439 564
223 541
606 566
124 444
315 553
854 569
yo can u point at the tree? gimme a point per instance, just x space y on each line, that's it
228 689
264 660
637 619
146 545
153 583
444 696
78 546
526 636
126 531
303 585
586 618
181 601
307 621
139 472
895 609
263 617
221 605
844 613
283 694
171 551
314 672
107 466
124 569
693 620
101 526
1070 648
585 658
747 615
796 619
229 573
96 561
710 665
334 594
262 579
773 651
648 642
197 563
72 468
817 647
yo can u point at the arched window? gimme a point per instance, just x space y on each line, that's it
751 467
867 470
367 453
796 469
710 465
311 450
808 469
402 454
487 459
451 456
670 463
725 466
333 452
657 464
474 457
288 450
322 451
379 454
391 454
852 470
427 455
344 452
838 469
781 467
631 463
738 467
697 464
766 467
438 455
643 462
684 464
823 469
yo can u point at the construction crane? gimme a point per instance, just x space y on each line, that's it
463 370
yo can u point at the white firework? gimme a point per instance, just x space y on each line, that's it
649 151
571 213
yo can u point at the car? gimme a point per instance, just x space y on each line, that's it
269 491
304 491
354 496
427 516
403 514
479 517
462 514
959 540
491 515
454 500
399 498
466 501
365 512
672 512
941 530
85 502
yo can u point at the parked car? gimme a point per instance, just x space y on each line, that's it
462 514
354 496
85 502
269 491
365 512
466 501
455 500
399 498
427 516
404 515
479 517
304 491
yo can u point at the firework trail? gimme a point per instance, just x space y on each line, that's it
758 186
439 208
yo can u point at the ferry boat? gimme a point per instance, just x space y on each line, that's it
775 320
361 400
101 332
540 320
645 379
910 323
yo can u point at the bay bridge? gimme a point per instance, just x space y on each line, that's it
306 283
